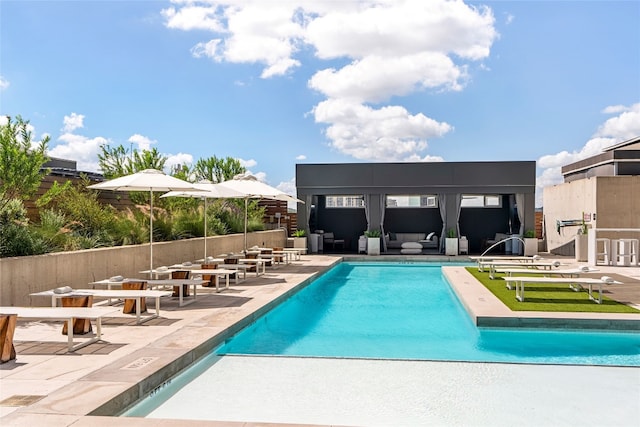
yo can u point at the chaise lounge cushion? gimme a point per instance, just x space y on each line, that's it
409 248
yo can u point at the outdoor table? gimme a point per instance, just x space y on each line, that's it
282 256
178 283
159 272
114 293
297 252
259 262
63 313
217 272
156 283
238 268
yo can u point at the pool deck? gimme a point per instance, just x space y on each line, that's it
45 386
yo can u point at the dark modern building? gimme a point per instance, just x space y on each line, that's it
476 199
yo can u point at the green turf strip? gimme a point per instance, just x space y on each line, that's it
549 297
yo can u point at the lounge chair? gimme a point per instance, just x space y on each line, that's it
576 283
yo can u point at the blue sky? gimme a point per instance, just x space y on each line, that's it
275 83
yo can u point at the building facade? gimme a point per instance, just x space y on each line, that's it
473 199
602 191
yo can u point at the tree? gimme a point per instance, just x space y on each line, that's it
114 162
118 161
21 160
217 170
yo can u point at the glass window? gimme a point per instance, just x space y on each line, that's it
492 201
481 201
412 201
350 201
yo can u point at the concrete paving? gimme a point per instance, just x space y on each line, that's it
47 386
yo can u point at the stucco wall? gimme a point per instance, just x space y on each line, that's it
21 276
615 201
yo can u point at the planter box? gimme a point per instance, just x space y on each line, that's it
299 242
530 246
582 252
373 245
451 246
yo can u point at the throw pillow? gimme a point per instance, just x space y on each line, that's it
430 235
392 236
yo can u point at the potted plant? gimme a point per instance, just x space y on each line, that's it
373 241
299 239
451 242
530 243
581 243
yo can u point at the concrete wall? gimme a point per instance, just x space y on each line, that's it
21 276
614 201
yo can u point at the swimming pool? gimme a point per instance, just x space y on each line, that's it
408 311
316 312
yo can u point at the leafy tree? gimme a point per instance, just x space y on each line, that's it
217 170
114 161
21 170
119 161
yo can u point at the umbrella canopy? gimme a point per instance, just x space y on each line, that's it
209 190
150 180
254 189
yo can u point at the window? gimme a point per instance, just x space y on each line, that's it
481 201
344 201
412 201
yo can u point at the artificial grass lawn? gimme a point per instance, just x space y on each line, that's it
549 297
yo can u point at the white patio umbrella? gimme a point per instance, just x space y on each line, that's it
209 191
254 189
151 180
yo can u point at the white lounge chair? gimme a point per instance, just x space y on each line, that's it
576 284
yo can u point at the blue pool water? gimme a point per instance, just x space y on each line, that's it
408 311
387 311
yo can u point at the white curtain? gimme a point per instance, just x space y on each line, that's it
458 209
520 210
442 204
367 204
308 201
383 208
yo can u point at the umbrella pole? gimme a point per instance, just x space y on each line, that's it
245 223
205 229
151 235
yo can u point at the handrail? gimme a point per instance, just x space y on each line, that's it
502 241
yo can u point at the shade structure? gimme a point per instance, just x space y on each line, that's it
254 189
209 190
151 180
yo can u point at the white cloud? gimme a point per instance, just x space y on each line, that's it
179 159
376 78
390 48
388 133
73 122
622 127
625 125
247 163
193 17
143 142
4 83
80 148
289 187
301 157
